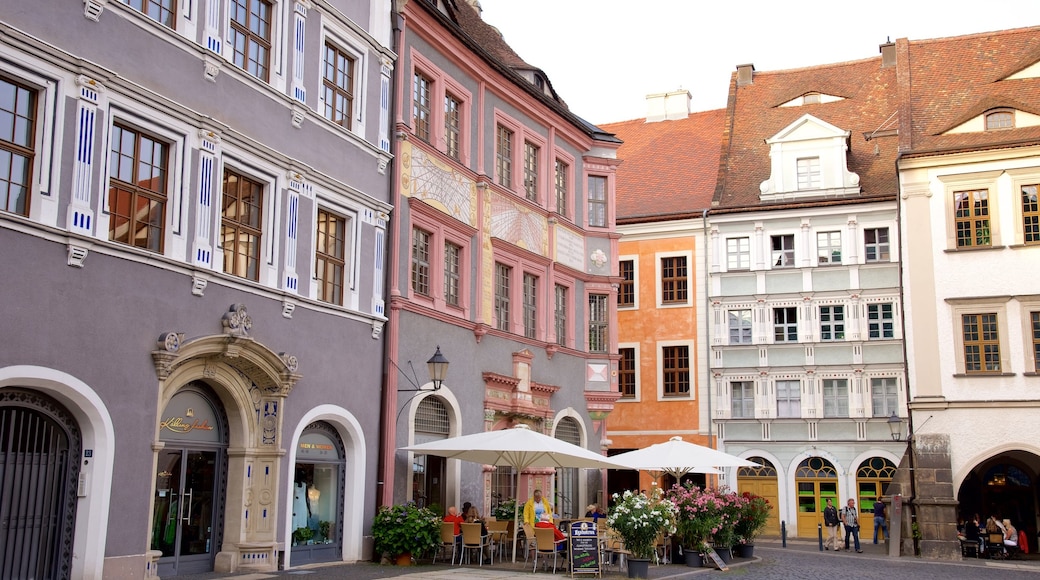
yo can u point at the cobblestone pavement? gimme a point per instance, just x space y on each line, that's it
800 560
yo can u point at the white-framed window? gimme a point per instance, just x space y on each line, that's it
881 321
785 324
597 201
242 224
980 335
808 173
740 326
742 399
331 258
782 250
338 87
738 253
139 181
599 323
1025 185
788 399
26 141
674 368
835 398
251 37
1003 119
876 245
828 248
162 11
832 323
884 396
673 278
1030 321
1034 335
972 215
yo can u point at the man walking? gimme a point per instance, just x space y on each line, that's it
830 521
879 519
850 517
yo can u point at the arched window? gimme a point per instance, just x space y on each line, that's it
764 469
432 423
1000 120
567 501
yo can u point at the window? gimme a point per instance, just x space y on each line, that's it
420 261
884 394
338 86
531 152
785 324
811 99
627 373
832 323
503 275
981 343
562 170
676 370
421 106
876 244
673 280
783 250
504 156
1030 215
452 261
137 189
598 201
739 326
627 289
880 321
788 399
1034 318
240 225
971 218
161 11
742 399
1000 120
828 248
809 173
17 141
250 36
561 315
452 125
738 253
835 398
598 337
530 305
330 256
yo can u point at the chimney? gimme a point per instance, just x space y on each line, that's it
745 74
668 106
888 54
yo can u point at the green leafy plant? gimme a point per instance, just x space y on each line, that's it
754 513
639 520
505 510
301 535
403 529
325 527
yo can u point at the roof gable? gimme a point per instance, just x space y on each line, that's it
807 128
811 98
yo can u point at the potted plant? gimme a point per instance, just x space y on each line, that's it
754 513
639 520
505 510
697 516
406 529
724 535
302 535
325 527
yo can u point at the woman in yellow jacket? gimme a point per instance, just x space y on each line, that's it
535 507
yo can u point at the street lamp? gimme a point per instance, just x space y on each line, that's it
895 426
437 366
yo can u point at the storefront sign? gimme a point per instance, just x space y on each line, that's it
584 548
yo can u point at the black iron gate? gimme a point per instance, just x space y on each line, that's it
39 467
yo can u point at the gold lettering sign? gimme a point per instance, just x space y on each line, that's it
179 425
316 446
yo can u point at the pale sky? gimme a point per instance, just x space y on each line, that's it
604 56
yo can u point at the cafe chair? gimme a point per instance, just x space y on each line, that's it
546 544
969 548
498 531
614 551
995 546
527 541
449 541
473 540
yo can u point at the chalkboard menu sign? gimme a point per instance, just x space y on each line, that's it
584 549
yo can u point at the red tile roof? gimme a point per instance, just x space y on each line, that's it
870 105
668 168
951 80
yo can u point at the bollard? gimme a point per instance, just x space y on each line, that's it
783 533
819 534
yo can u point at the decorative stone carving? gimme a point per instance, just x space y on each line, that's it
171 341
77 254
598 258
288 308
198 285
92 9
236 321
377 329
290 360
211 68
298 115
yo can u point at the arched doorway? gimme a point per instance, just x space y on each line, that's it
318 491
872 479
190 481
1004 486
432 423
39 467
762 481
816 479
567 502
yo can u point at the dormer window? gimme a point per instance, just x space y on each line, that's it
809 173
811 99
1000 120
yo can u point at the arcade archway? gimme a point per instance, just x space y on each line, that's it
1004 485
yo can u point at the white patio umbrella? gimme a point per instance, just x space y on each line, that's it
519 448
677 458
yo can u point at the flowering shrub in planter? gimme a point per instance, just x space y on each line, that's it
729 503
754 513
698 515
639 519
406 529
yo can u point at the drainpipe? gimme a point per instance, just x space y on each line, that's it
707 313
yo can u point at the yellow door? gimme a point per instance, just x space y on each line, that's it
767 488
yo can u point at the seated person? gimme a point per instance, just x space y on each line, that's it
454 517
592 511
971 531
547 522
1010 534
472 516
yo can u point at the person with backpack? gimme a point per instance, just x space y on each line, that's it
850 517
